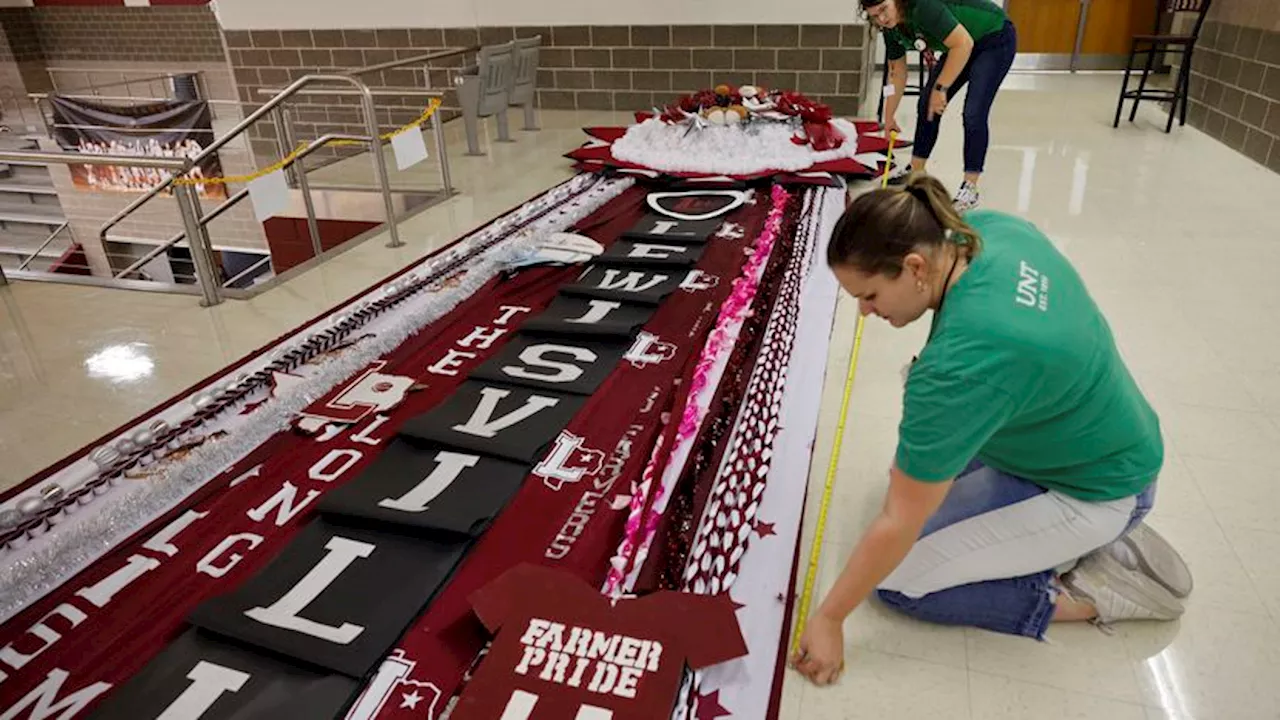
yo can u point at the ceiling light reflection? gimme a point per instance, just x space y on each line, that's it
121 363
1167 678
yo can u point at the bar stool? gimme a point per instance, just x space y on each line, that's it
1163 43
910 90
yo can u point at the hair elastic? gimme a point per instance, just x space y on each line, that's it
920 194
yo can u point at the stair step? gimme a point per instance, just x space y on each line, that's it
21 142
5 170
23 251
39 203
30 218
27 189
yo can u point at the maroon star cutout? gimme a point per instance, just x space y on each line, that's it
709 707
764 529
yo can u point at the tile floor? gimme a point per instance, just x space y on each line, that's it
1176 235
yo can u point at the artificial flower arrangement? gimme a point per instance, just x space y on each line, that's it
727 106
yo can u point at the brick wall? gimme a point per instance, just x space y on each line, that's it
584 68
631 68
82 44
20 30
1235 79
271 59
137 34
25 65
12 87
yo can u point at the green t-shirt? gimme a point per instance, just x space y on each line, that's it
1021 372
933 20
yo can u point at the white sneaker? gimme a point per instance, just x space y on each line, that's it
1119 593
901 171
1145 550
968 198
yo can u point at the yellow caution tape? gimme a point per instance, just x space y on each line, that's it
432 106
811 574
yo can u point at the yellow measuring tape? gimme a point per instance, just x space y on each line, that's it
806 595
432 106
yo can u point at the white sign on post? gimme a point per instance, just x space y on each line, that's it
410 148
270 195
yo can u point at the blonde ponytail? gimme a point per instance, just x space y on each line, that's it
933 193
882 226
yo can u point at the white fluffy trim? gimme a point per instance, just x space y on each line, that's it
726 150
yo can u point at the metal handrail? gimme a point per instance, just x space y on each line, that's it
371 124
377 92
415 60
38 97
114 128
230 202
92 86
442 155
264 261
41 99
66 158
45 244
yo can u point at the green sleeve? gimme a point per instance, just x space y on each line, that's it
893 47
934 19
946 420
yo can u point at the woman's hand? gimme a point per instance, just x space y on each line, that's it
891 126
937 104
821 654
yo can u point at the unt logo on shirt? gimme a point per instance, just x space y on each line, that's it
1033 288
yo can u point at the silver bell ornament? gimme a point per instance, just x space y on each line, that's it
143 438
30 507
10 519
104 457
126 446
52 493
202 402
160 428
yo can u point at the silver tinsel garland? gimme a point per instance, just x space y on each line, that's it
83 537
31 515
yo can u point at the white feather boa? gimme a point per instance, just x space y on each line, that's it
726 150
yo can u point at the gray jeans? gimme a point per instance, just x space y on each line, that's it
987 556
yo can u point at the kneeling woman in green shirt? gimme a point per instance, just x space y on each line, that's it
980 43
1027 456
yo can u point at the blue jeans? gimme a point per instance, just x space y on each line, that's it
988 65
988 555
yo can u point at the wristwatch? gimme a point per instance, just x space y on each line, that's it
941 88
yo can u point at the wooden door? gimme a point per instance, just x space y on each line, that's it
1045 27
1112 24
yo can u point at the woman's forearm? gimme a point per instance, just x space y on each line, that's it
881 549
898 79
957 58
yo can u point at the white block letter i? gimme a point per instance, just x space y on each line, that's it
521 704
209 682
